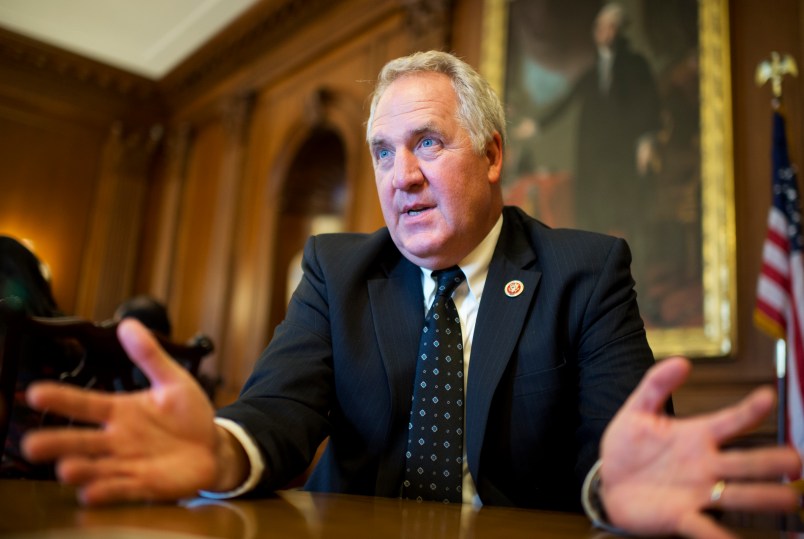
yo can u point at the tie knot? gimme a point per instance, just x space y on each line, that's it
448 279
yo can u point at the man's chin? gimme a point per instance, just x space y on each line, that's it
430 257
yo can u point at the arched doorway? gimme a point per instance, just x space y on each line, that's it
313 201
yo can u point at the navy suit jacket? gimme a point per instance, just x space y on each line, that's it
549 368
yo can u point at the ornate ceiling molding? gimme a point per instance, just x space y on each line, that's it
258 31
35 57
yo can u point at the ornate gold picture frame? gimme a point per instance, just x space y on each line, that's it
677 212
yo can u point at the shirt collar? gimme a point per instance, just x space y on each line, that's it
475 265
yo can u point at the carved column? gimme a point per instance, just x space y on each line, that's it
177 146
111 257
235 113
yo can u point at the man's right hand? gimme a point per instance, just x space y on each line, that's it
661 474
152 445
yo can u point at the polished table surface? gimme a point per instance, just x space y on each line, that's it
40 509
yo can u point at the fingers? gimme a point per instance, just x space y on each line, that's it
144 350
743 416
50 444
70 401
758 497
657 385
759 463
78 470
82 470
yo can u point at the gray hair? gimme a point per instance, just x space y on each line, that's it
480 111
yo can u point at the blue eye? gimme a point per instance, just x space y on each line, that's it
382 154
428 142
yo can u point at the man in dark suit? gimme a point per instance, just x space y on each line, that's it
551 337
543 380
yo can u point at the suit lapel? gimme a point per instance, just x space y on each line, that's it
499 324
398 315
397 310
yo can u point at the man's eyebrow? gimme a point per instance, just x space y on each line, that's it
376 142
429 127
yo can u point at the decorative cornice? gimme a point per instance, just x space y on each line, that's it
242 45
258 31
133 149
37 57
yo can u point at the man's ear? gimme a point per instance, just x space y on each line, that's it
494 155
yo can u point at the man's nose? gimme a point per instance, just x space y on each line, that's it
406 170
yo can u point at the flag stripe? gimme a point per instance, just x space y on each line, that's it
773 294
774 277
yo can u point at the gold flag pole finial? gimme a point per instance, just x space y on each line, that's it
774 70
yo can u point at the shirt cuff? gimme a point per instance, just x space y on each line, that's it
593 503
255 460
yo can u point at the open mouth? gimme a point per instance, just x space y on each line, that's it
416 210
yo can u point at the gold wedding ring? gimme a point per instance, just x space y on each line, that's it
717 492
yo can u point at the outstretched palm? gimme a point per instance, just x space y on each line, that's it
156 444
658 472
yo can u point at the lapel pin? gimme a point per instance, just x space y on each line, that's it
514 288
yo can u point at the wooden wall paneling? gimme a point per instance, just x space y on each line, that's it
56 138
198 217
250 269
800 60
301 173
109 264
50 169
236 117
282 122
281 114
428 24
276 133
61 84
467 30
200 204
286 115
156 265
193 96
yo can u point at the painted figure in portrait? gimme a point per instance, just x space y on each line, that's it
605 136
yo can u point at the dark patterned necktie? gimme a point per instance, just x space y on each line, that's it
434 457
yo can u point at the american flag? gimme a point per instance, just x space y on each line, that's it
780 292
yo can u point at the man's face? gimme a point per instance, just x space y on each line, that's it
606 29
439 198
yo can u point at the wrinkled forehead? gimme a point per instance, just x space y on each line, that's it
417 84
419 96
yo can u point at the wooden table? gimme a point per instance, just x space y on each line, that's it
41 509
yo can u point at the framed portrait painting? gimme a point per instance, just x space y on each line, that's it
619 121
